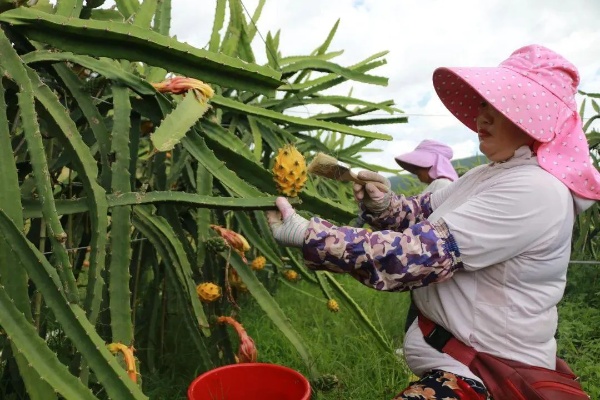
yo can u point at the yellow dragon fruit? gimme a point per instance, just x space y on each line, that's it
258 263
208 292
236 282
289 171
291 275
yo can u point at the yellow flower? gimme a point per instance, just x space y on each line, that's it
258 263
208 292
291 275
333 305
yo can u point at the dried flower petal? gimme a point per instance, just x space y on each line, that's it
129 358
180 84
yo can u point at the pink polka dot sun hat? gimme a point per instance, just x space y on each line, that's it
535 88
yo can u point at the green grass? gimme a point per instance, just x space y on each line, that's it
579 319
342 346
339 343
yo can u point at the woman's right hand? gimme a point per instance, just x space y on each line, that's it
373 199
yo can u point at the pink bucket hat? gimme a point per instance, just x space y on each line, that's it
433 155
535 88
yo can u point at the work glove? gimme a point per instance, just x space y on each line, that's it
288 227
373 199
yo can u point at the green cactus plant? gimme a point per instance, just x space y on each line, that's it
112 234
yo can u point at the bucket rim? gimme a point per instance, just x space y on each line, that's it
302 378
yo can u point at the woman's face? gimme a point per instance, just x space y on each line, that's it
423 175
421 172
498 136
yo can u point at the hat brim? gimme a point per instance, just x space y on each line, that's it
523 101
417 158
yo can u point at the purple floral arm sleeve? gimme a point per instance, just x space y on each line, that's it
402 213
384 260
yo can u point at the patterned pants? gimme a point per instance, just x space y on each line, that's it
441 385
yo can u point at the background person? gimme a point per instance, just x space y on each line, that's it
430 162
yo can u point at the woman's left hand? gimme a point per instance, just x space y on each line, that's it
288 227
370 194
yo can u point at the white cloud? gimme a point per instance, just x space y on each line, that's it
420 36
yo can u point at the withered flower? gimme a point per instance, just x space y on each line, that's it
234 239
247 352
180 84
129 359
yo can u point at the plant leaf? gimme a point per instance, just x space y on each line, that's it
175 125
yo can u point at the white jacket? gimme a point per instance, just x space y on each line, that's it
512 222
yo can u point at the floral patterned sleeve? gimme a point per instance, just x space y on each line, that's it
384 260
402 213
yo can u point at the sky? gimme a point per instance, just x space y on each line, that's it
420 36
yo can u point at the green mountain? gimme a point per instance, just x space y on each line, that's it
470 162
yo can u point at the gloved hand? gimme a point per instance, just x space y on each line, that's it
374 200
288 227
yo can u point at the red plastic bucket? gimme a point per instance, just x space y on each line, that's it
250 381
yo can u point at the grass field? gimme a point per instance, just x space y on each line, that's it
338 341
342 346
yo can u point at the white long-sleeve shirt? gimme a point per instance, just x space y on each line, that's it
437 185
512 222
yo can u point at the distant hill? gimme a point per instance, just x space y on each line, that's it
470 162
406 181
464 164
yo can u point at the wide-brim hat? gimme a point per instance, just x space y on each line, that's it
535 89
433 155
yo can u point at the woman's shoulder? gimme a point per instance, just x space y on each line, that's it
437 184
526 179
536 175
533 182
